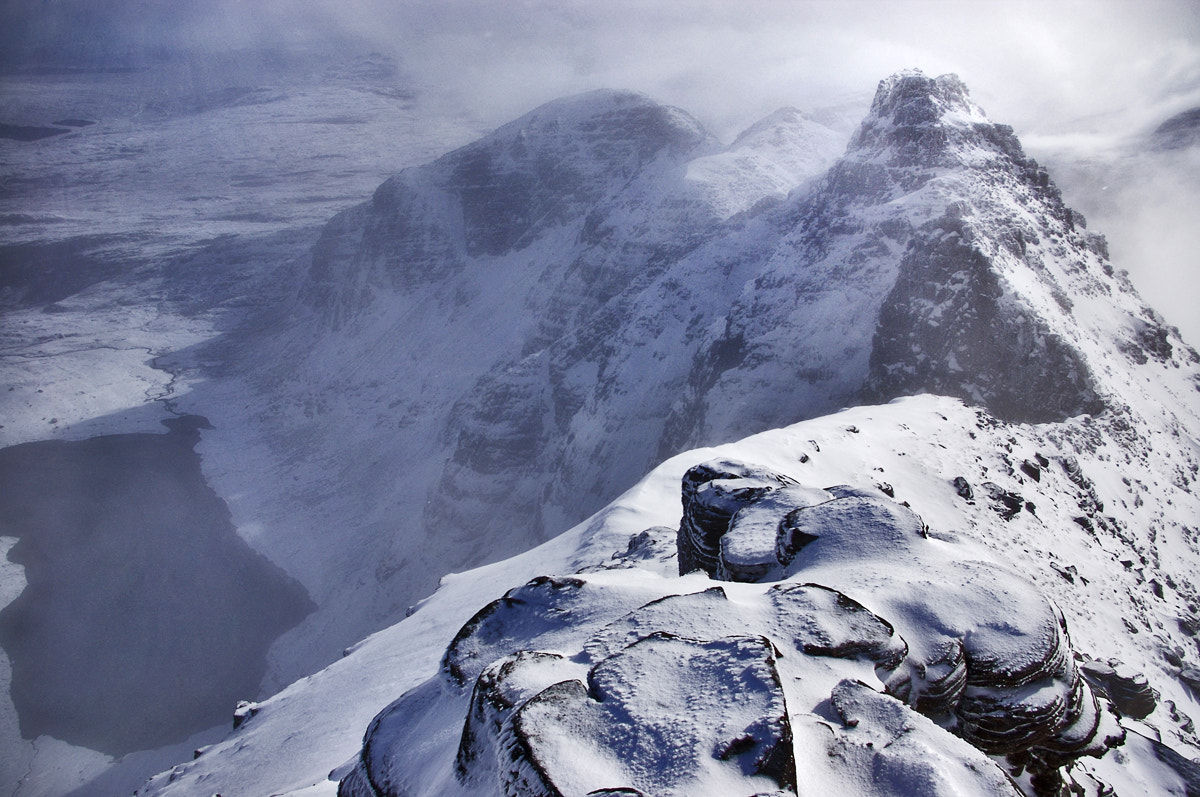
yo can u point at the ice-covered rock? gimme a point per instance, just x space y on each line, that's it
979 638
712 493
1129 691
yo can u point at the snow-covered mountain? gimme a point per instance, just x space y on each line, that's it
934 256
444 335
590 663
502 341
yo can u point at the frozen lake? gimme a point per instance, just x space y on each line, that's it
145 617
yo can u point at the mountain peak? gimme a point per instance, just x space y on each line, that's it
909 97
601 119
916 120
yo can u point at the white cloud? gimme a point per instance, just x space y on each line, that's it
1078 79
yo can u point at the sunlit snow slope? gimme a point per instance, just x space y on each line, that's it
1021 501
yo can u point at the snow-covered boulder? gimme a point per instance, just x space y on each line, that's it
579 685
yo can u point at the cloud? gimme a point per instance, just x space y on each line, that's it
1049 67
1080 80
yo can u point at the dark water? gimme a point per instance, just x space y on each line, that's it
29 133
145 617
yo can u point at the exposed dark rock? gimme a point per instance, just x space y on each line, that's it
1128 690
1004 503
1068 573
937 682
949 327
1191 677
1150 339
905 121
244 711
712 493
1155 340
963 488
1189 625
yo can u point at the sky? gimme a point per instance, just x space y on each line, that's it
1080 81
1059 65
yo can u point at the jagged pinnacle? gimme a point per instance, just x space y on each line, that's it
917 120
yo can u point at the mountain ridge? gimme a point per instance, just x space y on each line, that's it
506 394
961 470
449 377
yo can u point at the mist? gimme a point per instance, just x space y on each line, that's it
1083 83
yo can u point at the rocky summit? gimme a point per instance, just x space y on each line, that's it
581 685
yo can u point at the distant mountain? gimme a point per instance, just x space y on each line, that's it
503 340
1179 132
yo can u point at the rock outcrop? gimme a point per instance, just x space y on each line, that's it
597 684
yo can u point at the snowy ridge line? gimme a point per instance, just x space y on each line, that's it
916 448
